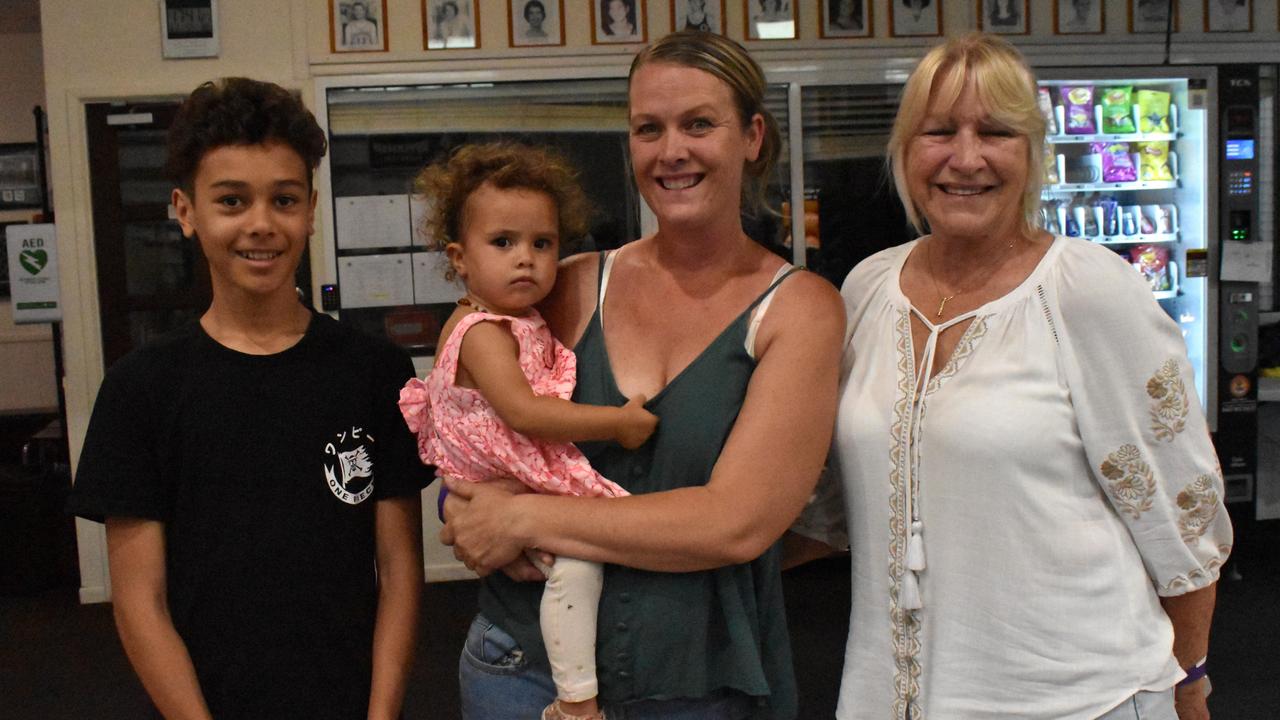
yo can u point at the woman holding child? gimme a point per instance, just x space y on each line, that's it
1034 507
712 328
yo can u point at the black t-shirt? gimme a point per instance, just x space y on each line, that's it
265 471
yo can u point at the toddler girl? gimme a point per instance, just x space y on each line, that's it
496 403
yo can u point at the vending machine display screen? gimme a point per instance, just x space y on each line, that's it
1240 149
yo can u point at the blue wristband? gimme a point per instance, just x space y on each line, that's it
1195 672
444 493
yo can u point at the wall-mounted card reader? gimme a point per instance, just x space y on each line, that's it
329 298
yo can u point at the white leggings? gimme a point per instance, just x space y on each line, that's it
570 604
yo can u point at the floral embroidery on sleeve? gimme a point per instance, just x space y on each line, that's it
1169 411
1131 481
1198 503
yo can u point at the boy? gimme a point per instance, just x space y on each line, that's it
260 490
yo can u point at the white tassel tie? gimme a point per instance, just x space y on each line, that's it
915 547
909 598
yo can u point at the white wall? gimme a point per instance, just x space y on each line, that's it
26 351
103 51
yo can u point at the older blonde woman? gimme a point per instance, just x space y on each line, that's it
1034 507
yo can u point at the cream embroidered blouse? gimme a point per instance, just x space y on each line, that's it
1060 477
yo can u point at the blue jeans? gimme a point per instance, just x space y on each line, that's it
1145 706
498 683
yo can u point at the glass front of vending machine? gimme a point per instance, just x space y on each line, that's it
1129 164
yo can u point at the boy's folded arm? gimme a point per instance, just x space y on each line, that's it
136 555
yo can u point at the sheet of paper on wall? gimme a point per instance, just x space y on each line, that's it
429 285
372 221
1246 261
419 209
375 280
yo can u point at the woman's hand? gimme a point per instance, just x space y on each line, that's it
478 525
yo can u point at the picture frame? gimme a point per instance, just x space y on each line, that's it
846 19
535 23
4 257
769 19
915 18
450 24
704 15
1004 17
618 21
1079 17
188 28
1228 16
21 186
1152 16
357 26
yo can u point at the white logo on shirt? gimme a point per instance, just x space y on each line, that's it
353 462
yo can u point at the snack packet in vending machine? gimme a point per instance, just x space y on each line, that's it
1050 166
1153 160
1153 262
1153 111
1117 110
1117 164
1077 109
1046 109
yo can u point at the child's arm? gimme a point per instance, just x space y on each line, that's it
136 556
489 355
398 534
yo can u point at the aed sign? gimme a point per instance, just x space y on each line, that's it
33 273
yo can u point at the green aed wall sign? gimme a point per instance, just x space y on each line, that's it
33 273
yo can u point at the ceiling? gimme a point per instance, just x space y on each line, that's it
19 16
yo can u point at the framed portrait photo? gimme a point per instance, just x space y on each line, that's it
704 15
1228 15
845 19
189 28
358 25
1151 16
915 18
1004 17
770 19
21 186
451 24
618 21
536 22
1079 17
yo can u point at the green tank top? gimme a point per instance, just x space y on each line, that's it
673 635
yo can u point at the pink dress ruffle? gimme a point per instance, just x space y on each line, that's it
460 433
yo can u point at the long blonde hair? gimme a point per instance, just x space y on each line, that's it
1006 88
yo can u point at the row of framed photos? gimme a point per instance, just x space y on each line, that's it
1088 17
360 25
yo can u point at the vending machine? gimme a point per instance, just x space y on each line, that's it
1243 267
1130 164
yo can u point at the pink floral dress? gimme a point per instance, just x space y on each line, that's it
460 433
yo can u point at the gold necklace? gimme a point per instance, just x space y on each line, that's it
934 276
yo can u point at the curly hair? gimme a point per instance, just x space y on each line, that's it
507 166
239 111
